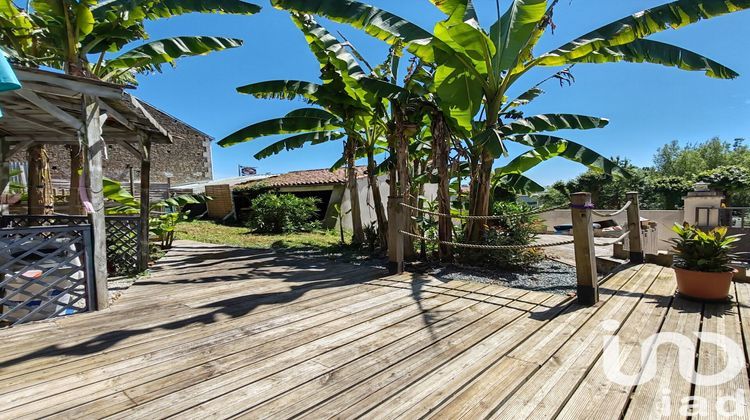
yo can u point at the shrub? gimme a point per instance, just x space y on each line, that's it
283 213
512 229
697 250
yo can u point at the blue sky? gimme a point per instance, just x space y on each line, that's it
648 105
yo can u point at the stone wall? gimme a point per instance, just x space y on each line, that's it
188 158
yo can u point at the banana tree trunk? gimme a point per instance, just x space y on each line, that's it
358 234
77 160
481 189
440 139
41 197
404 183
372 179
482 180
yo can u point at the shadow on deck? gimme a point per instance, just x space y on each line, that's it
219 332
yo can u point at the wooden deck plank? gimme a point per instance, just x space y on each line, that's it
372 347
195 392
190 324
597 396
546 390
219 331
481 395
722 319
378 305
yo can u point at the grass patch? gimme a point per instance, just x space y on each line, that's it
214 233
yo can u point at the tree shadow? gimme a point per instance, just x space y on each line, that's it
294 269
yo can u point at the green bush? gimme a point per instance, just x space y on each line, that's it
283 213
512 229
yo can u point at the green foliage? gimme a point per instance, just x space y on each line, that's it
283 213
161 225
669 190
697 250
727 178
64 34
164 226
512 229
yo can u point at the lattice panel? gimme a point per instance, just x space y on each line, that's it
123 246
45 272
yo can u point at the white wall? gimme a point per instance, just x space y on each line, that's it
367 203
665 219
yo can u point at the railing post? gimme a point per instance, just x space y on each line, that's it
583 235
395 239
635 240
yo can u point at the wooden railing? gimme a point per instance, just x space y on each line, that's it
582 211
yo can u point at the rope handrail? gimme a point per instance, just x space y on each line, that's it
614 241
482 246
494 217
615 213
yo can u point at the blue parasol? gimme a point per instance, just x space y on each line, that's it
8 80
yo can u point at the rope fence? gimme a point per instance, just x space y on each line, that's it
492 217
482 246
614 213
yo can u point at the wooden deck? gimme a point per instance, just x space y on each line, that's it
220 332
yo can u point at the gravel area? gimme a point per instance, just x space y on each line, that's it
547 276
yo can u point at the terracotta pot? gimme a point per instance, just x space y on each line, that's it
700 285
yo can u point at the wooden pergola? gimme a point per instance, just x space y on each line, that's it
54 108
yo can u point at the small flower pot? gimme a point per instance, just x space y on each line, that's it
703 286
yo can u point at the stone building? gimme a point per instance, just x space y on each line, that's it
187 160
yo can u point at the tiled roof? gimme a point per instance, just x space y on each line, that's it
304 178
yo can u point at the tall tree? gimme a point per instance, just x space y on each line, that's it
476 68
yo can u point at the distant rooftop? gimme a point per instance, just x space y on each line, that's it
200 187
310 177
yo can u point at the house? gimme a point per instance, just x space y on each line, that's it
329 187
326 185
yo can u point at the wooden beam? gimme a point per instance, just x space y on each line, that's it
635 242
145 186
116 115
55 79
50 108
133 150
31 120
94 185
17 147
585 256
136 103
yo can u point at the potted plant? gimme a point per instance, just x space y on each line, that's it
702 261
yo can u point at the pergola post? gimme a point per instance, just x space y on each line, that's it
94 183
635 242
4 165
585 256
145 186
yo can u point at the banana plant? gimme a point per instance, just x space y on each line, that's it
476 68
344 110
66 34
